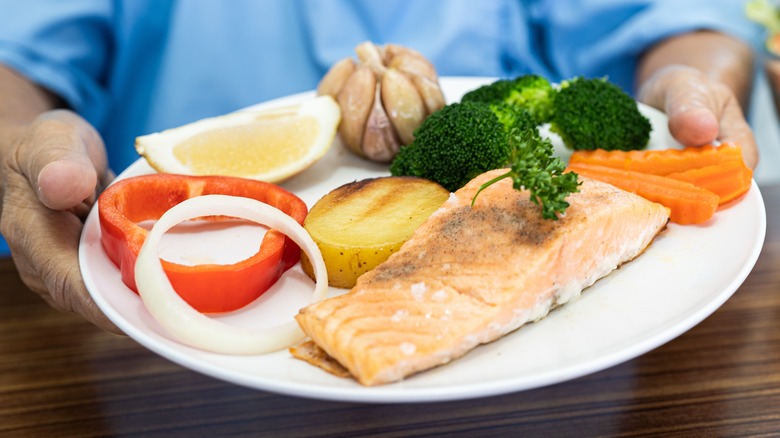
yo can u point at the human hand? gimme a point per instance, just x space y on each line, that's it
52 173
700 109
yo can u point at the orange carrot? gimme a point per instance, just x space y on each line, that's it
688 203
660 162
729 180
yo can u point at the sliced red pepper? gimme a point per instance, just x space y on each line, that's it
208 287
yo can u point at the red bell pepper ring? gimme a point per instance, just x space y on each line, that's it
209 287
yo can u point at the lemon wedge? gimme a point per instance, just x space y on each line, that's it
269 145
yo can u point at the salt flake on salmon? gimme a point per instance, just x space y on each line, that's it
469 275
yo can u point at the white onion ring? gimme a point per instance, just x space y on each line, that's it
194 328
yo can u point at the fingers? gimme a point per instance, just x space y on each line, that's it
60 283
53 190
735 129
46 256
703 114
700 110
62 159
49 181
693 125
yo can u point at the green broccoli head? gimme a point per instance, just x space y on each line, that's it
533 93
494 92
455 144
594 113
513 117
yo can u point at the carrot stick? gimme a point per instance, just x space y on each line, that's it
660 162
729 180
688 203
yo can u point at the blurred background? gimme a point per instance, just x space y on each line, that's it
766 126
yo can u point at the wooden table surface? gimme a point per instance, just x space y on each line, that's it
60 376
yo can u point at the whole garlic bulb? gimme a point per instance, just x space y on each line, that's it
384 96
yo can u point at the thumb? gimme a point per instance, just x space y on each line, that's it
62 158
691 121
683 93
707 112
701 110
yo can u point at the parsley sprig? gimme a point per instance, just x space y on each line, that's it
534 167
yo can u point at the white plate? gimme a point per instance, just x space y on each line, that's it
682 278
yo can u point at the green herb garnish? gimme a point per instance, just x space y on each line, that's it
534 167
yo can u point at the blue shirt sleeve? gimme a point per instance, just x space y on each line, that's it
607 37
63 46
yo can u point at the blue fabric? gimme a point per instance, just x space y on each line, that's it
138 66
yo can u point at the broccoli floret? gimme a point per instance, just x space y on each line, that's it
494 92
533 93
455 144
513 117
594 113
404 162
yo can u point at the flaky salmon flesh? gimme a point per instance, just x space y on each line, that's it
470 275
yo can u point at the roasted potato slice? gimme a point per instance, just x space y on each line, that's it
359 225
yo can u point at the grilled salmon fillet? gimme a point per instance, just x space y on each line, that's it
469 275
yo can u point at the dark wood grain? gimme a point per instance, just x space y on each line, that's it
60 376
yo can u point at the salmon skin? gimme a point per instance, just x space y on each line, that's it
470 275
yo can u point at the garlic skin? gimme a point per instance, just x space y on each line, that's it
355 99
403 103
380 140
332 83
384 96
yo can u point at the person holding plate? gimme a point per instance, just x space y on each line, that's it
80 80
